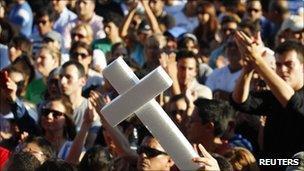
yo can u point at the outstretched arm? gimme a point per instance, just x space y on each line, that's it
281 90
125 27
151 17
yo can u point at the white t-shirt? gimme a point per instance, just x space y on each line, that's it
222 79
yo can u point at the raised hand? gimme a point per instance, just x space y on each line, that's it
207 162
11 87
88 117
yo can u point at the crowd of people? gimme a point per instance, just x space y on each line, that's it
237 68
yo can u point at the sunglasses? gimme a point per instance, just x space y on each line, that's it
46 112
150 152
76 54
80 36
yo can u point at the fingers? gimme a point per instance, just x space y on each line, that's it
204 151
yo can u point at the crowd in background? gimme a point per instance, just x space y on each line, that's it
238 82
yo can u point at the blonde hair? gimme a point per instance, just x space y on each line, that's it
53 51
242 159
87 28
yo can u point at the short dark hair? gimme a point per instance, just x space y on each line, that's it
56 164
218 112
80 44
46 10
249 27
23 43
230 18
291 45
44 144
184 54
96 158
80 68
114 18
23 161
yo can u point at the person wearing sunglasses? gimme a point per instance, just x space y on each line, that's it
82 53
57 125
151 156
44 20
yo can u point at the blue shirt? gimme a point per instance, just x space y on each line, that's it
65 16
22 16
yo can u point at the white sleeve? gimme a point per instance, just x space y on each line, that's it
99 59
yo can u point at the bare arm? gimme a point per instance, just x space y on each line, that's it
79 141
281 90
125 27
151 17
242 87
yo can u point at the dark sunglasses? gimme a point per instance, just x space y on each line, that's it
150 152
78 35
76 54
46 112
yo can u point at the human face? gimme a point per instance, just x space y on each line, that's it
195 128
156 6
53 86
44 25
35 150
186 71
82 56
254 10
159 162
14 53
111 30
85 8
203 17
80 35
45 62
290 69
70 82
234 56
228 29
52 117
177 109
59 5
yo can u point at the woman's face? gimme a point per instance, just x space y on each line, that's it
52 116
14 53
45 62
53 86
203 17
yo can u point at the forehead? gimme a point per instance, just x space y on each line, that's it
56 105
152 142
287 56
189 62
254 4
70 70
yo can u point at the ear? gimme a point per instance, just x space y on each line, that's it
170 162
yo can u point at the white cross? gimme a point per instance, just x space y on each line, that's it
137 96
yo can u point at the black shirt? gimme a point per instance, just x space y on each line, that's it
284 128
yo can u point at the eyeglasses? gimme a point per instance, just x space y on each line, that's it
46 112
80 36
76 54
150 152
253 9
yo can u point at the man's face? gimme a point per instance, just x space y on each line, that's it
111 30
193 126
158 162
186 71
156 6
59 5
44 25
85 8
290 69
69 80
228 29
254 10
